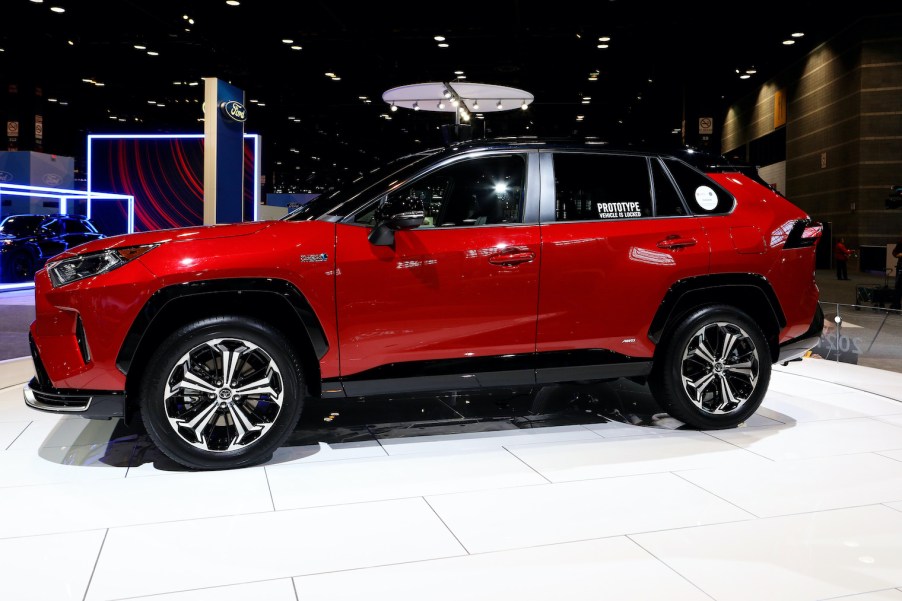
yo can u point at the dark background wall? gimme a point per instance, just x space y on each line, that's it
842 138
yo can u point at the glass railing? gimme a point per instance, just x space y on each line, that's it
863 335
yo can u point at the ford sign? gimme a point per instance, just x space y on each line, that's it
52 179
234 110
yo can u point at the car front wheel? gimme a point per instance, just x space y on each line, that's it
713 370
222 392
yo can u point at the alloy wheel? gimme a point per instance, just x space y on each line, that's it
719 368
223 395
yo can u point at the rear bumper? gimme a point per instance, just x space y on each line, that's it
797 347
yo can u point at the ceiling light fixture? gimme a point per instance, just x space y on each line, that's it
602 45
287 41
455 102
499 106
233 2
458 72
38 1
57 9
446 93
190 21
604 38
443 45
416 105
152 53
798 34
441 105
744 76
393 107
475 105
296 47
439 38
70 42
330 75
523 105
788 42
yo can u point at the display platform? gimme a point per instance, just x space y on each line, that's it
572 500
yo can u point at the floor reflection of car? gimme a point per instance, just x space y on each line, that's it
28 241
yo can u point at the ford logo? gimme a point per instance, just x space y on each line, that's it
234 110
6 176
52 179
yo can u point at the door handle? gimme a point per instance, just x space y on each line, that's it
511 258
675 241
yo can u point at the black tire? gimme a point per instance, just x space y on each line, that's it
693 380
200 419
21 267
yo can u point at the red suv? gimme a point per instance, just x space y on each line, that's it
491 264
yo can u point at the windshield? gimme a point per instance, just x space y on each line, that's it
21 225
337 203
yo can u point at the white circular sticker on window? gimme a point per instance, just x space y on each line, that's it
706 198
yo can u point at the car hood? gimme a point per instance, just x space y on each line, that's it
206 232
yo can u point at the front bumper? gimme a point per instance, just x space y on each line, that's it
92 404
95 404
797 347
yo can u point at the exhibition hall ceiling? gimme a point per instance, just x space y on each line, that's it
314 72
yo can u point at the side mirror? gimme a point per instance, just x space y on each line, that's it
396 213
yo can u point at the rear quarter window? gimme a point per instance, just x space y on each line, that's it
702 195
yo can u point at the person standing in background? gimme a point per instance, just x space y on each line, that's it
897 292
841 255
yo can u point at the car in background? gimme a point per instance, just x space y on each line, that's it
28 241
894 200
485 264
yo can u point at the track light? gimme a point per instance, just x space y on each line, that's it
446 94
393 107
455 101
524 106
475 105
416 106
441 105
499 106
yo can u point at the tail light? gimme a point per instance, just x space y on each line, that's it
804 233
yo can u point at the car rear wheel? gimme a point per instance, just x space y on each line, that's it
713 369
222 392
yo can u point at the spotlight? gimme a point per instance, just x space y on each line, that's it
393 107
416 106
499 106
475 105
446 93
441 105
524 106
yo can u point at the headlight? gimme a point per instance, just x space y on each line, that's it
91 264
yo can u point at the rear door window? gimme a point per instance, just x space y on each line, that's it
601 187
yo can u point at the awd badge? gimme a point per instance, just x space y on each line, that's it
320 258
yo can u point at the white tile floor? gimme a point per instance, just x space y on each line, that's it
804 502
